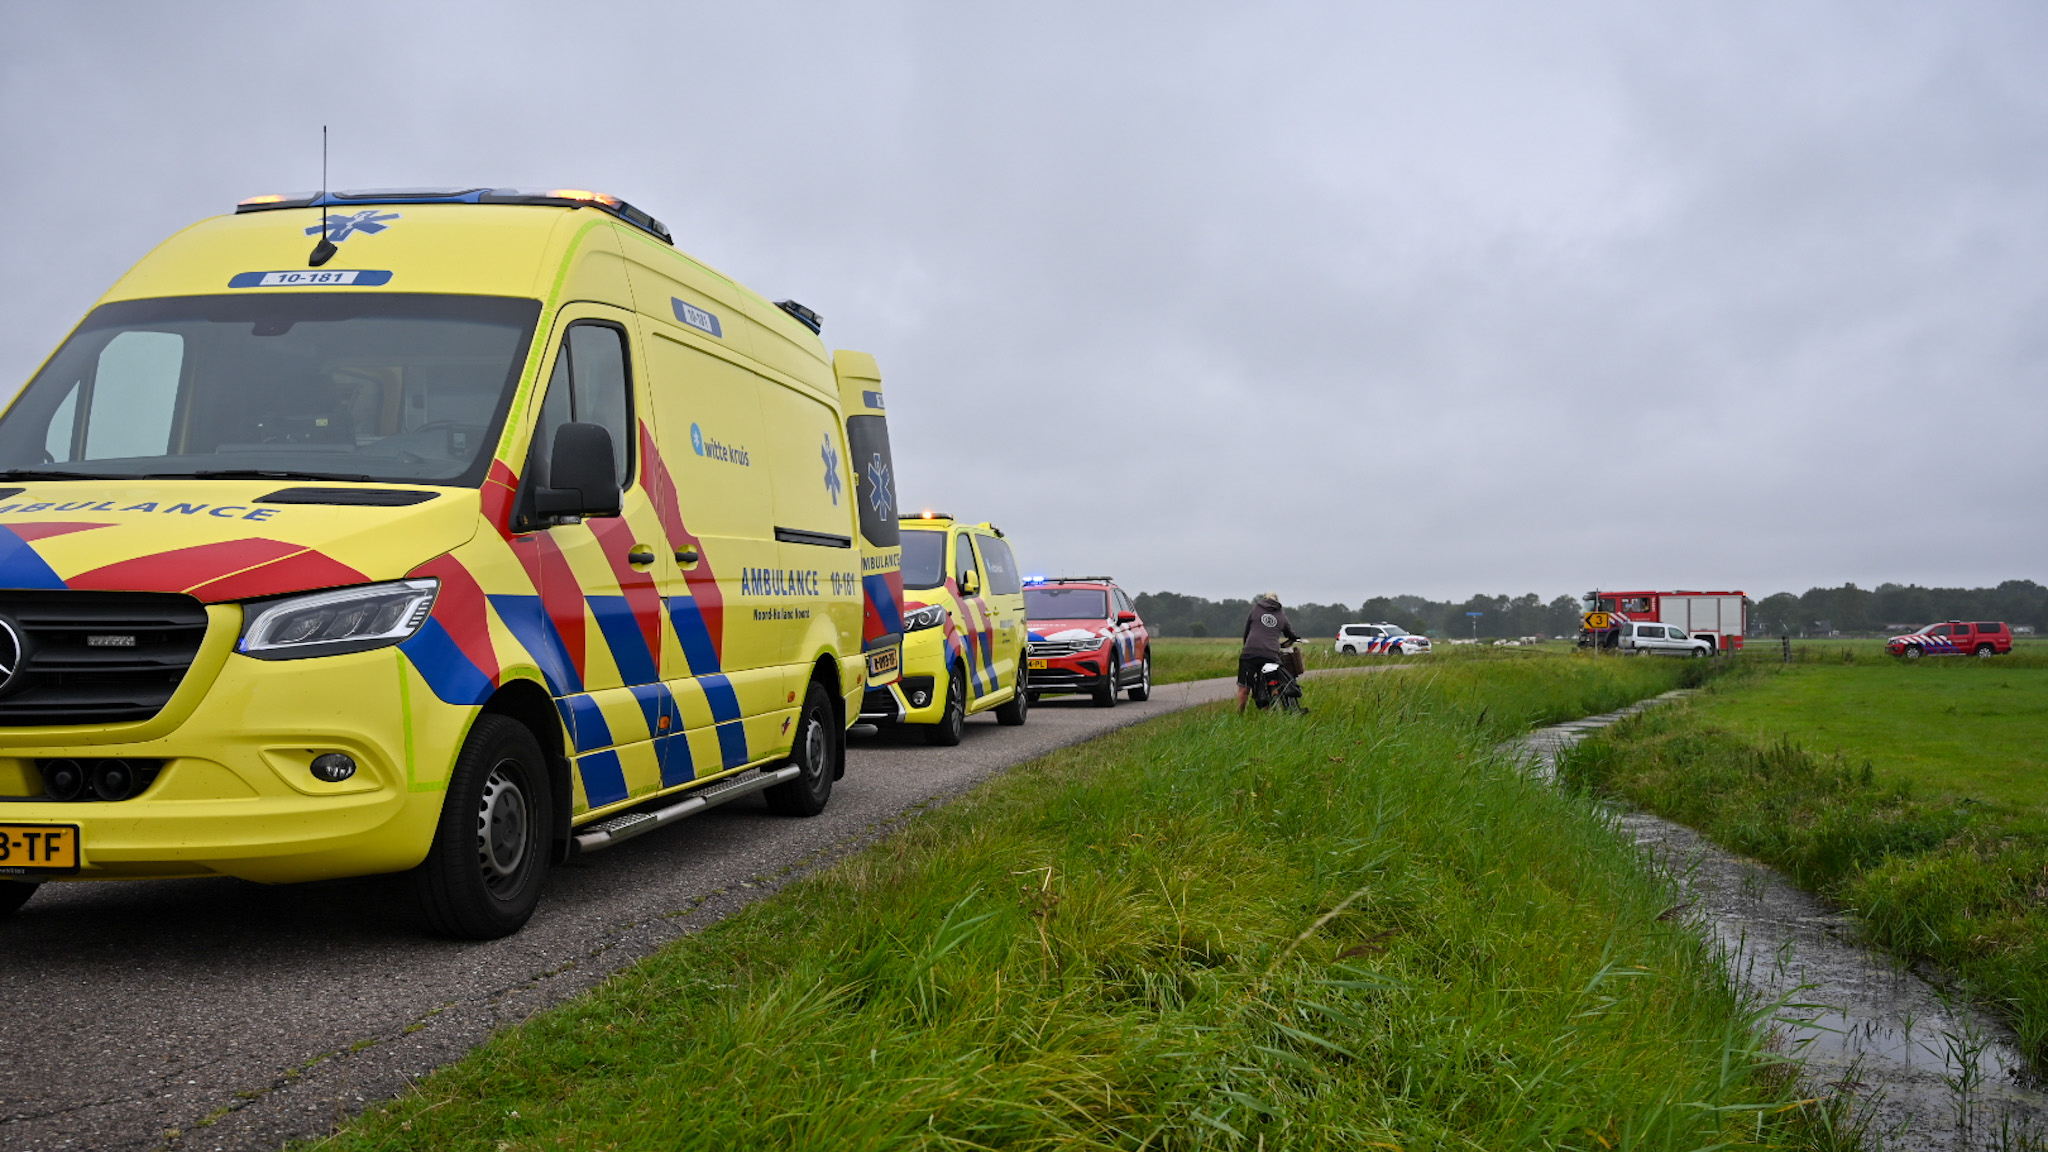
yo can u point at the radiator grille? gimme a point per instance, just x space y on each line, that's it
98 657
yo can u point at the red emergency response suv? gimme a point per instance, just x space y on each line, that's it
1085 637
1954 638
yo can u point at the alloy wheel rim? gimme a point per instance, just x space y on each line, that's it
502 822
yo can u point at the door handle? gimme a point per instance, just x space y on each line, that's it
640 556
687 554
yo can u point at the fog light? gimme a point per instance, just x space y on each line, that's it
920 699
113 779
63 779
333 767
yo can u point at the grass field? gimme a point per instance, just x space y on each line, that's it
1178 658
1357 929
1951 728
1912 793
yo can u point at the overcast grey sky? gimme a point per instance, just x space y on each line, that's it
1342 299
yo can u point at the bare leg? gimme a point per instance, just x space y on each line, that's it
1244 692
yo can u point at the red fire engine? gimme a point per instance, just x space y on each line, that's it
1718 616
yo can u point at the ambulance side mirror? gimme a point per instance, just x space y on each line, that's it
582 479
1127 617
969 583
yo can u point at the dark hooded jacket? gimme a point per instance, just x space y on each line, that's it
1264 627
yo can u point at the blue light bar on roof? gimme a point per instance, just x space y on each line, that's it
554 197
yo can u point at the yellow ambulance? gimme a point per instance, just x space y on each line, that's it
964 630
449 531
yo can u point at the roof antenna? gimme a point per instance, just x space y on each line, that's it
325 249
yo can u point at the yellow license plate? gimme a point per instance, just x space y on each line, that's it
884 661
38 846
1035 665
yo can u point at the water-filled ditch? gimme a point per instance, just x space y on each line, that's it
1926 1071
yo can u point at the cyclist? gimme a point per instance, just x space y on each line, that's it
1263 628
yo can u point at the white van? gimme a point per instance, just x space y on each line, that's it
1641 639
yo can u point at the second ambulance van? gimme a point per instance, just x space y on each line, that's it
450 531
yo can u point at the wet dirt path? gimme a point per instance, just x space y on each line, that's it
1927 1071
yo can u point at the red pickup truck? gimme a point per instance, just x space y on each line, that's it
1954 638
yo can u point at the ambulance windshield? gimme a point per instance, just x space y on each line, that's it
924 559
377 387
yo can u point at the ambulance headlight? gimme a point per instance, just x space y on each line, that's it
929 616
336 621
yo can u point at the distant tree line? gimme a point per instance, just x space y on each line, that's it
1891 606
1818 611
1174 614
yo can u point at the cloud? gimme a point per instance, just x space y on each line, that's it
1344 299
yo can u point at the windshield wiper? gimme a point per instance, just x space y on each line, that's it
263 474
57 474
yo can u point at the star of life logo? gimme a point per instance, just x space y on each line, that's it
880 498
340 228
831 457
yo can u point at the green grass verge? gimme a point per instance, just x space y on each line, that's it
1357 929
1851 777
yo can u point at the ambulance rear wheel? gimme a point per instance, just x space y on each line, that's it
952 723
484 874
816 753
13 894
1985 649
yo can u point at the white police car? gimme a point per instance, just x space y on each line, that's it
1388 639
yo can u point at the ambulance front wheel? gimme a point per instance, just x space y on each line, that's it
13 894
952 723
816 752
484 874
1142 690
1013 711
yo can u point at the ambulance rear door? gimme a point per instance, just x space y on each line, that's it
874 488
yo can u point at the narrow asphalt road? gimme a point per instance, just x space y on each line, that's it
204 1014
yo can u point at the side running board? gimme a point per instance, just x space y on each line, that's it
617 829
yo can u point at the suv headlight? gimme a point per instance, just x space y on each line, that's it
929 616
337 621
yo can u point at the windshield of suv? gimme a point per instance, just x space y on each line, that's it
390 387
924 558
1065 604
1395 630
